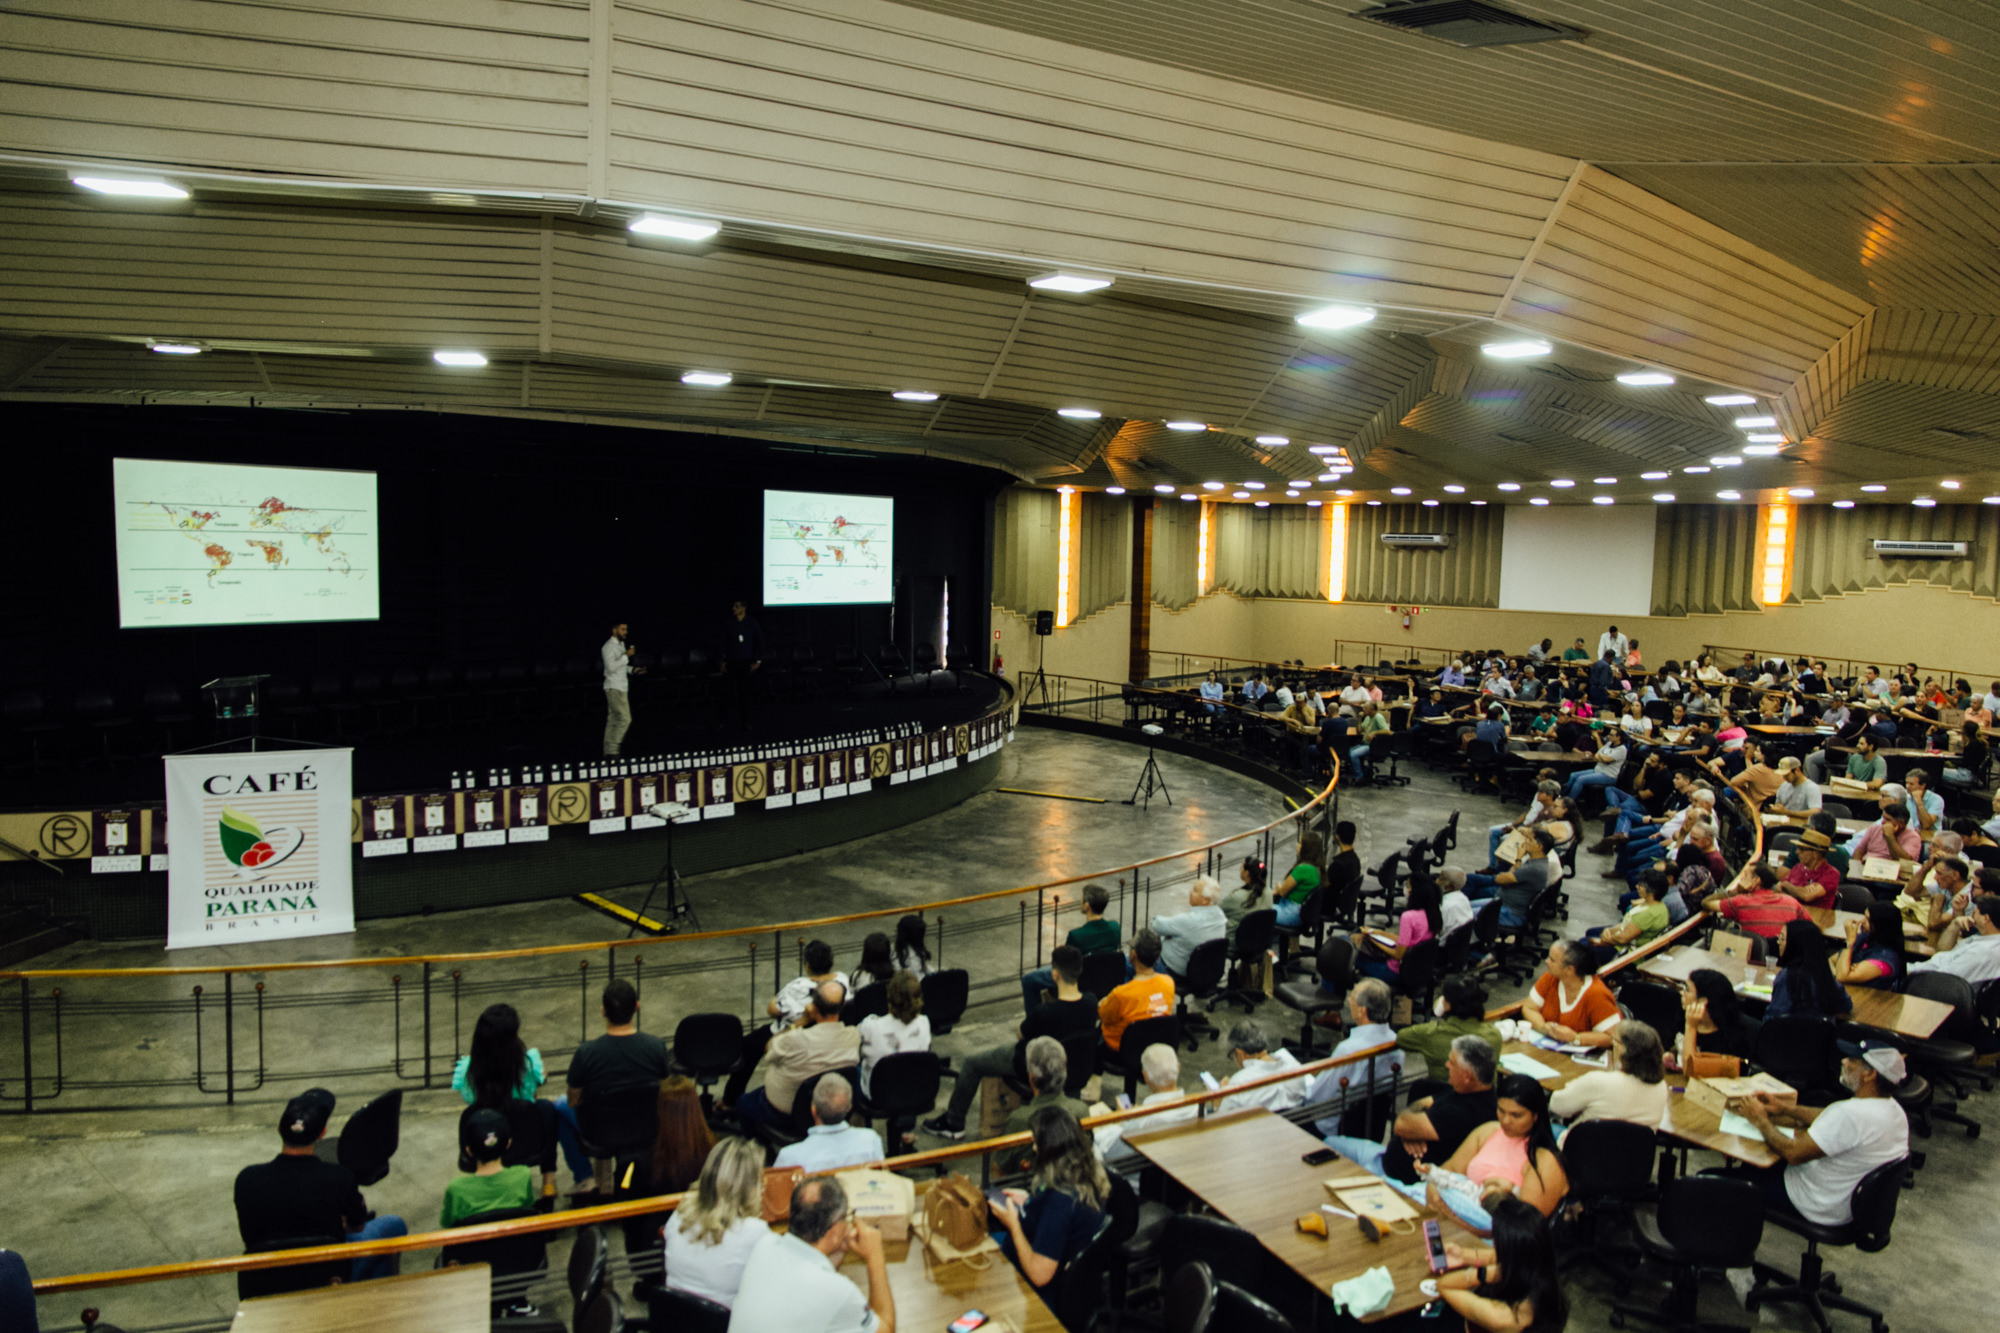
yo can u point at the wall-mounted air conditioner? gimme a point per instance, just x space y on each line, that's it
1888 550
1423 541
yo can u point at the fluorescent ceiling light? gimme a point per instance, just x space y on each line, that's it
1374 504
1562 483
1211 485
1253 485
1602 500
1274 439
1924 502
1511 351
1065 490
713 379
680 229
130 189
1510 485
1239 495
1654 476
1322 448
1189 495
1399 490
1849 504
1761 450
1539 500
1315 504
1727 460
1604 481
177 349
1729 400
1291 495
1335 317
914 396
1344 493
1114 490
1263 504
459 358
1949 485
1079 413
1875 488
1164 489
1331 476
1645 379
1755 423
1430 504
1187 425
1663 497
1479 502
1453 488
1800 493
1991 500
1697 468
1766 437
1729 495
1068 282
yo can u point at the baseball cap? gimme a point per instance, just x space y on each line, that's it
1880 1056
305 1117
1788 763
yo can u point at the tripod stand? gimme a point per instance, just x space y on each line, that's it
1150 778
679 907
1038 681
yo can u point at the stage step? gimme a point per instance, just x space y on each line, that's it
26 934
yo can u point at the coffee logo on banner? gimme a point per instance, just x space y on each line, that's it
252 849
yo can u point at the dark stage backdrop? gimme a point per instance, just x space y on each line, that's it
500 540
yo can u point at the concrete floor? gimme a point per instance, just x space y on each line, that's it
135 1187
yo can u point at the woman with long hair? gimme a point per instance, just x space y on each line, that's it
684 1139
912 954
877 963
1515 1153
500 1068
903 1028
1510 1286
1805 982
1420 921
710 1236
1246 897
1299 883
1874 956
1047 1225
1716 1023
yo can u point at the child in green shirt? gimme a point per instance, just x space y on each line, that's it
484 1136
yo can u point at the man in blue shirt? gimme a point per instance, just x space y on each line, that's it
832 1143
1368 1005
1493 729
1211 690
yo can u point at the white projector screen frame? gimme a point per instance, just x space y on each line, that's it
202 544
820 548
1595 560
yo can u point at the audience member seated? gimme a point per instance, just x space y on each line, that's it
1304 876
483 1138
1095 935
1183 932
1160 1070
1863 764
1889 838
832 1143
1813 880
1454 908
1633 1089
1874 955
1786 788
785 1010
1761 908
878 963
1832 1148
1433 1127
1420 921
296 1196
1072 1011
622 1058
792 1283
1512 1285
1517 888
1514 1155
1644 922
1149 994
1926 807
1975 954
1545 795
1805 983
1372 718
1717 1026
1047 1076
913 954
1246 897
1250 1051
1368 1006
818 1043
710 1236
501 1069
1211 695
684 1140
903 1028
1939 895
1460 1010
1569 1003
1047 1225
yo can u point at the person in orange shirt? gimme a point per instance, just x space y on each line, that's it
1149 994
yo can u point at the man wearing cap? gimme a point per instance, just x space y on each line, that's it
1786 788
483 1139
295 1197
1813 880
1822 1162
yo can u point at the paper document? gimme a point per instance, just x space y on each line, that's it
1377 1201
1549 1043
1733 1123
1518 1062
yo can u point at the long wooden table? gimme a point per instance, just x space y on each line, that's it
1245 1165
444 1300
1901 1015
929 1295
1693 1125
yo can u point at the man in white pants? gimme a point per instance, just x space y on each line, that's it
617 696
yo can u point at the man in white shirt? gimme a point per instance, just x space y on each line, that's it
1284 696
1182 933
1355 695
792 1283
1250 1051
1454 908
1539 653
1824 1159
832 1143
1798 795
1926 806
1368 1005
1546 792
617 694
1611 641
1160 1068
1976 954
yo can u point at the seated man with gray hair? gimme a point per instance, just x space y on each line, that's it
1368 1005
1048 1074
792 1282
1160 1067
831 1142
1181 934
1432 1128
1250 1051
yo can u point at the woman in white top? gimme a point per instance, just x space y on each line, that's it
903 1028
1633 1088
1635 723
912 954
720 1220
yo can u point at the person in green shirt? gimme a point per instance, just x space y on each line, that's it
1095 935
1048 1072
1644 920
1865 766
1296 887
483 1139
1461 1012
1576 653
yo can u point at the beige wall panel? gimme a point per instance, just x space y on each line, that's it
1097 647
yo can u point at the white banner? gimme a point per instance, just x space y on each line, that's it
262 846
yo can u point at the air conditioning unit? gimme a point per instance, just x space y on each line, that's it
1888 550
1423 541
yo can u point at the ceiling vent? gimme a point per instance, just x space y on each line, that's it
1422 541
1888 550
1468 23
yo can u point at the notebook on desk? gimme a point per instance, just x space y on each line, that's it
1374 1200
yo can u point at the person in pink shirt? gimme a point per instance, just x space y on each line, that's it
1889 838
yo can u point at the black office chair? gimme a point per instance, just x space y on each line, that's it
1483 762
1231 1253
1078 1286
1309 998
604 1314
1135 1230
613 1124
1657 1006
706 1048
946 993
1874 1213
901 1088
1102 973
368 1140
1701 1223
531 1140
1610 1164
1240 1312
1798 1048
296 1277
1132 1043
870 1000
516 1260
589 1261
1255 934
1205 969
685 1313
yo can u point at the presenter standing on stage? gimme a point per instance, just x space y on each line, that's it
742 653
617 689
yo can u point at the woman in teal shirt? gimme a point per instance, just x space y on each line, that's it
499 1069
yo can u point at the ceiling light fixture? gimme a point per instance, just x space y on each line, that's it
1331 476
1654 476
1991 500
1698 468
1729 495
1663 497
1079 413
178 349
1766 437
1949 485
130 189
1211 485
1800 492
1322 448
1602 500
1374 504
1453 488
1604 481
1430 504
1263 504
1478 503
1291 495
1114 490
1274 439
1645 379
1843 504
1239 495
1164 489
459 358
679 229
1875 488
1068 282
1510 485
1727 460
1253 485
711 379
1344 494
1335 317
1924 502
1755 423
1761 450
1189 495
1187 425
1729 400
914 396
1514 351
1539 500
1399 490
1562 483
1315 504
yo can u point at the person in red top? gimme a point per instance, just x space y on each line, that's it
1762 910
1148 994
1813 880
1569 1003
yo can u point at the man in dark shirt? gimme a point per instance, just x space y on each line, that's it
1434 706
1493 728
1096 935
742 653
1333 738
1071 1012
295 1197
1603 680
1432 1129
622 1058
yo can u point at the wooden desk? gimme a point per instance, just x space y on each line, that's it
929 1296
1211 1157
1849 827
1900 1015
1774 729
444 1300
1691 1124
